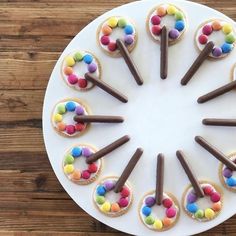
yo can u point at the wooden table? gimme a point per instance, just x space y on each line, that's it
32 36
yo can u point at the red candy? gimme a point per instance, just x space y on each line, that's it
123 202
85 174
215 197
105 40
167 203
207 29
92 168
70 129
156 20
112 46
171 212
125 192
156 29
208 190
79 127
72 79
82 83
202 39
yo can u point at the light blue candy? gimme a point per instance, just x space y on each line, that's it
179 25
101 190
88 59
146 210
231 182
129 29
226 48
76 152
70 106
192 207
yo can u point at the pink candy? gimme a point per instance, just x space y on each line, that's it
215 197
207 29
156 20
123 202
171 212
70 129
105 40
72 79
85 174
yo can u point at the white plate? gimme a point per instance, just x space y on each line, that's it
172 119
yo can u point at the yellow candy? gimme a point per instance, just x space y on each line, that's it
106 206
209 213
171 10
70 61
112 22
227 28
68 169
158 224
57 118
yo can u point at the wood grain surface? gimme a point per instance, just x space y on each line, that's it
33 33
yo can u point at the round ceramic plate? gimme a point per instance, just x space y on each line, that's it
161 116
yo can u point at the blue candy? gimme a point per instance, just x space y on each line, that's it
76 152
231 182
88 59
179 25
128 29
70 106
192 207
226 48
101 190
146 210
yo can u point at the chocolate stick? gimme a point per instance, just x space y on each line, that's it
128 169
106 87
219 122
217 92
215 152
159 179
109 148
125 54
190 174
197 63
98 119
164 53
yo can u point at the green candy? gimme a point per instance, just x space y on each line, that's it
230 38
179 15
122 22
78 56
69 159
149 220
100 200
61 109
199 214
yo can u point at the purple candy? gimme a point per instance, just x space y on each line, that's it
191 198
216 52
92 67
86 152
79 110
174 34
227 173
150 201
109 185
129 39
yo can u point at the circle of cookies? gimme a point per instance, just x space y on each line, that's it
74 76
221 33
191 207
226 175
172 211
81 177
114 207
63 108
127 34
170 16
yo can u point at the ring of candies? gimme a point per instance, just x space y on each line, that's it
73 79
61 109
112 208
162 11
107 29
209 213
76 175
171 212
214 26
226 175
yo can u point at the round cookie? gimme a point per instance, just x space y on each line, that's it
62 117
190 199
116 206
76 65
227 175
150 220
172 17
221 33
113 28
78 175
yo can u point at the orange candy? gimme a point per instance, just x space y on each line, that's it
106 30
115 207
76 175
217 206
68 70
166 221
161 11
61 126
216 25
